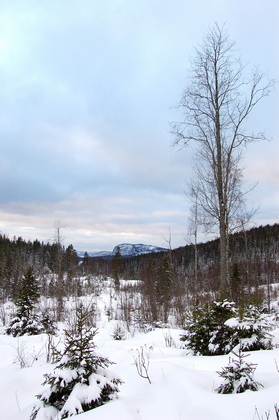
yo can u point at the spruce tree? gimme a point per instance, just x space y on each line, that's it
25 320
238 375
217 328
116 267
206 331
80 380
28 292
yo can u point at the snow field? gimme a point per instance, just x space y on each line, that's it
182 385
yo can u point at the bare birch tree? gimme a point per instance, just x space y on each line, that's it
194 222
215 106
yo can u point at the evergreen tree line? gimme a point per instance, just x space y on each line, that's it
17 255
253 261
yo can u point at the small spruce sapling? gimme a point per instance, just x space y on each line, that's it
80 380
238 375
252 330
118 332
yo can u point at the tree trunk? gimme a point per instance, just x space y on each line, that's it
222 196
223 257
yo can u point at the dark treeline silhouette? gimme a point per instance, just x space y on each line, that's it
253 261
17 255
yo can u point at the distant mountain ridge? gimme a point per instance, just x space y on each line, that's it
126 251
132 250
96 254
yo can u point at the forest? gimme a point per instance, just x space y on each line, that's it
169 281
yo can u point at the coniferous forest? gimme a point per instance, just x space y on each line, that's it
168 278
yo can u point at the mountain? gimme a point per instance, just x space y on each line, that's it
132 250
96 254
126 251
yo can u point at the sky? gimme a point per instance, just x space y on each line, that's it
88 91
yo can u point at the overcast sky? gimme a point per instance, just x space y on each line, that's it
87 94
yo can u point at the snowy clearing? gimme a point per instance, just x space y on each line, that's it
182 385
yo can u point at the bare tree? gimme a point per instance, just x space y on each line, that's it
215 106
194 223
58 239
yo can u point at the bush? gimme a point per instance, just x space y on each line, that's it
30 324
118 332
206 332
217 328
48 324
252 330
23 325
238 376
80 380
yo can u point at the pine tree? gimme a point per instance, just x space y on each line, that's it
206 331
25 320
28 292
238 376
81 380
116 267
163 286
217 328
252 329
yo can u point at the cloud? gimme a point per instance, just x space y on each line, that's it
87 91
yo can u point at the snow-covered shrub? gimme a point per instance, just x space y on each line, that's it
238 375
218 328
118 332
252 330
30 324
206 332
48 323
169 341
22 324
81 379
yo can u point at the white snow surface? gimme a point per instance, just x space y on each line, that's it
182 385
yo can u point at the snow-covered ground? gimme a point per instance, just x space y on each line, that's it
182 385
